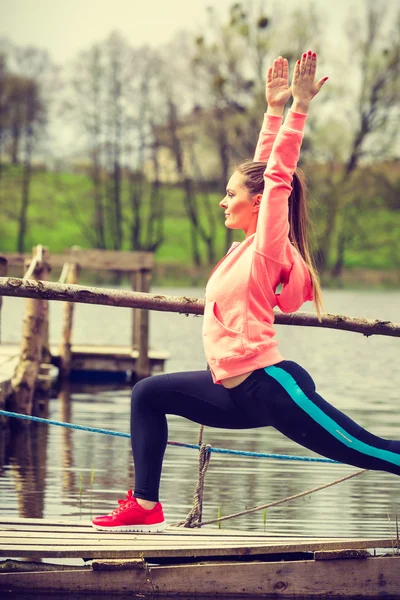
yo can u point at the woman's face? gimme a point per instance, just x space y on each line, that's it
239 206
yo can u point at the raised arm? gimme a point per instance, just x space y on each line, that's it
277 93
273 225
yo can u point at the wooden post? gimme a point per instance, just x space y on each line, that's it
141 280
66 335
26 373
3 273
135 312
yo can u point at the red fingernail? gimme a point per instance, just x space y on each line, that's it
298 62
309 52
314 54
304 55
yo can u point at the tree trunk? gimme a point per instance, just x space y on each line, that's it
22 225
26 373
339 263
117 201
98 202
135 193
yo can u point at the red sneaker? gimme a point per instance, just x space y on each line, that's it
130 516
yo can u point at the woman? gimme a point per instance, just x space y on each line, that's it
249 383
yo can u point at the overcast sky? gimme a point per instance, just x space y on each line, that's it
64 27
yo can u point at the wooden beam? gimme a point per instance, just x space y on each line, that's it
33 333
99 260
12 286
3 273
331 579
157 546
66 333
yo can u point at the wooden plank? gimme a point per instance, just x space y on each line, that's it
152 549
169 532
7 351
75 533
26 538
22 521
114 351
66 537
90 358
332 579
25 523
341 554
111 260
103 260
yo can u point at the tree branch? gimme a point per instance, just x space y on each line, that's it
11 286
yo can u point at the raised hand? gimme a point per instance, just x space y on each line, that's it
304 86
277 90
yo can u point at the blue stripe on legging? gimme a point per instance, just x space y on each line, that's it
318 415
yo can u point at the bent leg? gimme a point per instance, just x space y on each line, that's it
301 414
192 395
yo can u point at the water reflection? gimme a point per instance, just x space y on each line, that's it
26 457
65 416
53 472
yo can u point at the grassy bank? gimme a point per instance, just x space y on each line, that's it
60 215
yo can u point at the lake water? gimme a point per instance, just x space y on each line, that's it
52 472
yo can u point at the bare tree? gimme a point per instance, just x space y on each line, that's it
86 106
146 199
377 56
26 83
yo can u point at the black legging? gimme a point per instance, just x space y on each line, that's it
282 396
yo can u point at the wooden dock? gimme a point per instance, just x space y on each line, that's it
88 359
206 562
109 359
136 359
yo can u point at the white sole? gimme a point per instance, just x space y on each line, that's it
157 528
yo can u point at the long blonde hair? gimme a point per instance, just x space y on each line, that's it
299 219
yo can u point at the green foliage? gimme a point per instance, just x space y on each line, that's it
61 209
60 216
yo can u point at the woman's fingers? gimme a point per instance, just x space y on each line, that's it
280 59
303 64
280 68
309 62
269 75
313 64
320 83
285 69
275 69
304 83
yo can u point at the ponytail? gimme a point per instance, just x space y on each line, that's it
299 219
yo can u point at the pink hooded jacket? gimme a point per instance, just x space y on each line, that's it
238 332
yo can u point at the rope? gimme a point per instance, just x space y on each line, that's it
210 449
194 517
277 502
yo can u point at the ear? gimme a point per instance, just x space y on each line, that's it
256 200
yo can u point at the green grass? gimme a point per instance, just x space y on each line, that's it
62 202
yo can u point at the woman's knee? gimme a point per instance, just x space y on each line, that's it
146 390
